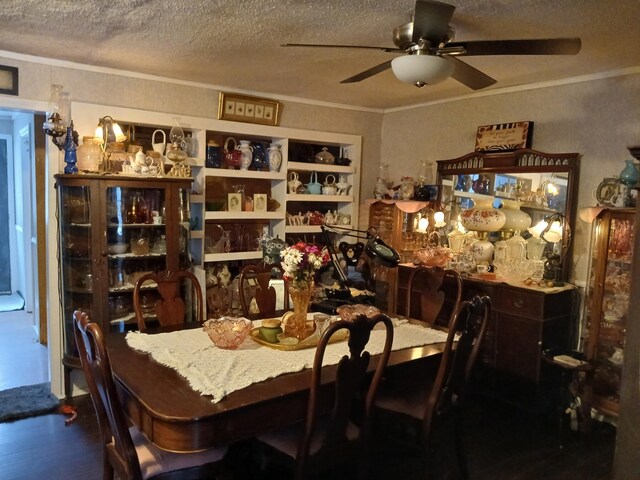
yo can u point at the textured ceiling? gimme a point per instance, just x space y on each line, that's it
236 44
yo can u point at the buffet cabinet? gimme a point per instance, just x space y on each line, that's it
112 230
525 322
607 302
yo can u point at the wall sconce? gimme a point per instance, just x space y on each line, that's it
59 119
554 230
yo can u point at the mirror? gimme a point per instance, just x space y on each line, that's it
544 183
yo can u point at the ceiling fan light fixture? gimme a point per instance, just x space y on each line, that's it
422 70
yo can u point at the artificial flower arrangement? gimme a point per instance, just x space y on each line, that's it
301 261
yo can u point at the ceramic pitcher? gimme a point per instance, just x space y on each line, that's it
246 151
275 157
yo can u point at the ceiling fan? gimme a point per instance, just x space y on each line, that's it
432 53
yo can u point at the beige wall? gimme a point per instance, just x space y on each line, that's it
597 119
139 93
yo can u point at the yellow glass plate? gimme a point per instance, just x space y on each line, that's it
310 342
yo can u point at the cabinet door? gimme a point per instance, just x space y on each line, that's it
79 242
136 243
518 343
607 305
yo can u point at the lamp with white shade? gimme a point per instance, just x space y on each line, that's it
108 131
555 230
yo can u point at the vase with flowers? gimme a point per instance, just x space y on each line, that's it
300 263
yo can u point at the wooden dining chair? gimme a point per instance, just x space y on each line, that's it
253 285
332 435
423 421
439 292
170 308
127 453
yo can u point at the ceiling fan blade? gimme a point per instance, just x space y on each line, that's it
546 46
368 73
470 76
383 49
431 21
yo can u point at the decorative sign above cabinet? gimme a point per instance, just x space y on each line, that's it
504 137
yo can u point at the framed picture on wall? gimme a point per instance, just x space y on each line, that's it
8 80
243 108
504 137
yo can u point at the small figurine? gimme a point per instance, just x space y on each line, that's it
381 188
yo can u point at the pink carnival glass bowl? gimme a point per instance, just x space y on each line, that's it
227 332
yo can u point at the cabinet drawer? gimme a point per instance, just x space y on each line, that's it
520 303
534 304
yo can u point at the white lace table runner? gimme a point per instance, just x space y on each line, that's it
216 372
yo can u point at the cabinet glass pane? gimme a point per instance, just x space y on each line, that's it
136 244
75 253
607 315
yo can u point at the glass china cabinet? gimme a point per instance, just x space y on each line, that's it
606 315
111 231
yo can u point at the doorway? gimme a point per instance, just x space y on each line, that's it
24 357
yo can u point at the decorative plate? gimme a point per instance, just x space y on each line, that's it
606 190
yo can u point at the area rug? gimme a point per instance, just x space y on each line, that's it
29 401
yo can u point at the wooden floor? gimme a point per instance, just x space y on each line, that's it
502 443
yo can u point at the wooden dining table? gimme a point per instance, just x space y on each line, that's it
175 417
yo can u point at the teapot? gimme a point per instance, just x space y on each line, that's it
329 218
294 182
329 187
315 218
314 187
140 160
233 155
